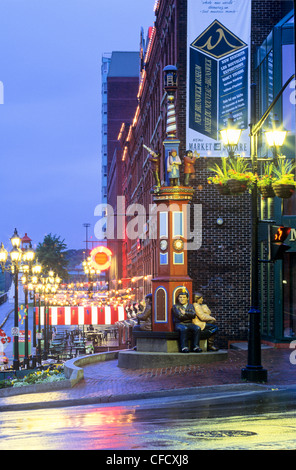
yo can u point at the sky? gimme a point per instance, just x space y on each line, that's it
50 112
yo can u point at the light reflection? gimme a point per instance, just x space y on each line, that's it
39 429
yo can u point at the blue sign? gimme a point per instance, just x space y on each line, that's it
218 81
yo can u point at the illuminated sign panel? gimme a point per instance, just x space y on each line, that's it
218 74
101 258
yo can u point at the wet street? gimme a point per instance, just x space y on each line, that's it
149 425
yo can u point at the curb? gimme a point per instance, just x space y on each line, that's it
238 393
75 373
72 371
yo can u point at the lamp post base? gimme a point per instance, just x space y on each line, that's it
15 365
254 374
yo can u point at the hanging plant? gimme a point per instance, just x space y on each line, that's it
265 181
233 177
284 179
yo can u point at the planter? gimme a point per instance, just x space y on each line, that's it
266 191
236 187
283 190
223 189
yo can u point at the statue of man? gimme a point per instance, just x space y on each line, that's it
154 164
189 170
174 163
183 314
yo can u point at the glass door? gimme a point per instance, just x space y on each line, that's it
289 296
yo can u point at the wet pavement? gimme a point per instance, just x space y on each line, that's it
106 382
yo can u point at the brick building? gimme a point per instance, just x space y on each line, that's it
220 269
122 89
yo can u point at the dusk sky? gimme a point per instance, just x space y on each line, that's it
50 120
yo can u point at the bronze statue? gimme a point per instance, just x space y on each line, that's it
183 315
205 321
145 318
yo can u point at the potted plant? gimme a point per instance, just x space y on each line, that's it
284 179
265 181
233 177
221 177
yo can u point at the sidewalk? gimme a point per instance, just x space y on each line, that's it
105 382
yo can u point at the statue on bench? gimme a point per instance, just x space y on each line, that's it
183 315
145 318
205 321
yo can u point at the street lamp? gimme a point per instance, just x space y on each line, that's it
39 289
254 371
36 271
276 136
28 258
15 258
50 286
230 135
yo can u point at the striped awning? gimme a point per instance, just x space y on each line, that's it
107 315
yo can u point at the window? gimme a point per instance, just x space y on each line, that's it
163 258
178 224
163 224
178 258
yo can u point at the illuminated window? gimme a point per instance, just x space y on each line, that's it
163 224
178 224
178 258
163 258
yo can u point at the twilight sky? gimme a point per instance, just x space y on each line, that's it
50 119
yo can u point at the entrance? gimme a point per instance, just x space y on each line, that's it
289 296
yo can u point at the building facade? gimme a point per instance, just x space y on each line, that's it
220 267
274 65
122 88
104 125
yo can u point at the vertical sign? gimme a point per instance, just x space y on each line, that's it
218 71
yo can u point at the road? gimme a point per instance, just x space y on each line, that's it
166 424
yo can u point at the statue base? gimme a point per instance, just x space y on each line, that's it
161 349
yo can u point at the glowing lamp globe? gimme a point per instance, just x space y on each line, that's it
101 258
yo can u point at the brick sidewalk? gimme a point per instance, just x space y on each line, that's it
105 380
109 378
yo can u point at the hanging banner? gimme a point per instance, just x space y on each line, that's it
218 73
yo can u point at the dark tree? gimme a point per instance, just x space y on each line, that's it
51 254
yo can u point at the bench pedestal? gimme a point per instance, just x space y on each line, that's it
161 342
161 349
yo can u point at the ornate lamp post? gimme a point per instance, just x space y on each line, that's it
254 371
39 289
28 257
91 273
50 286
36 272
30 281
15 258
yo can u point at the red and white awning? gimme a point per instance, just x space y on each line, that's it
107 315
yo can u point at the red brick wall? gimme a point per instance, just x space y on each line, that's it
220 269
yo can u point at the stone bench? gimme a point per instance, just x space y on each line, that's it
161 341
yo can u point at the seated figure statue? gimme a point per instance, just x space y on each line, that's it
183 314
205 321
145 318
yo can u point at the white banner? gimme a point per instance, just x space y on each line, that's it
218 73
